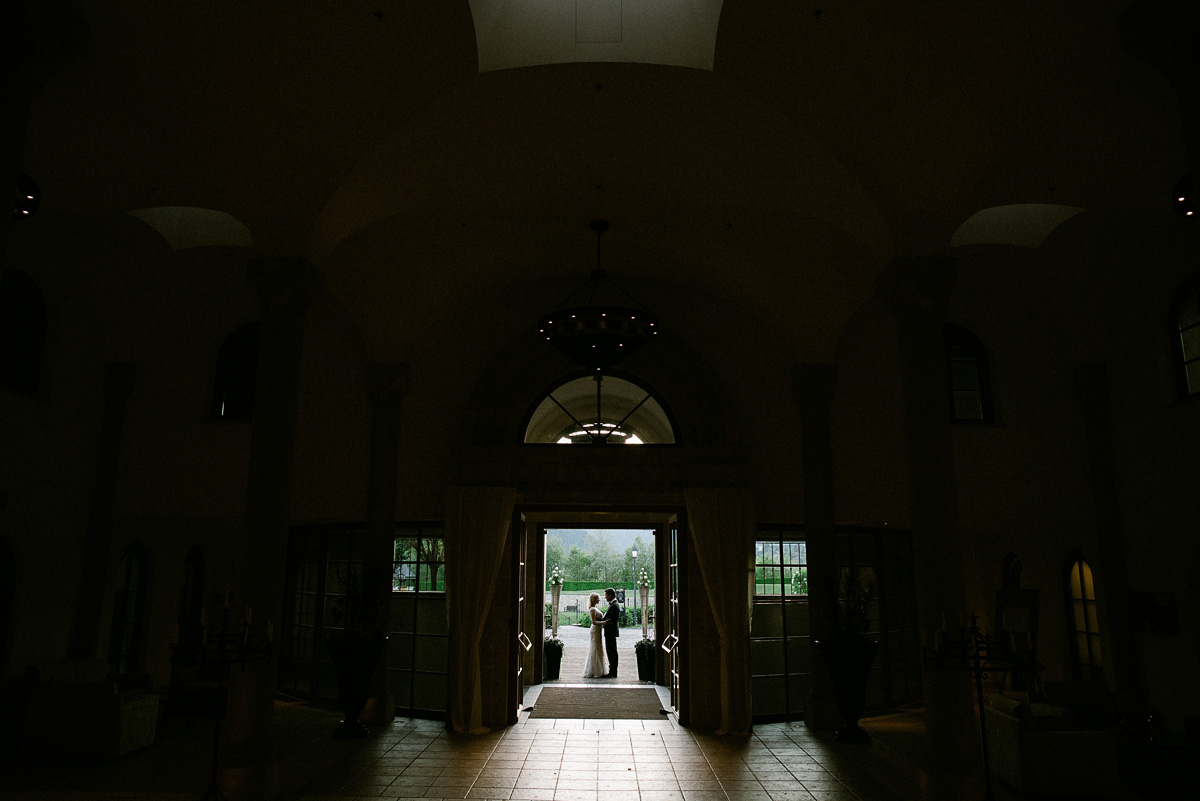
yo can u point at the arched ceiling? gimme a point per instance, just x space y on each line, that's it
367 138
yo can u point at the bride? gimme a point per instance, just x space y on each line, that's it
596 666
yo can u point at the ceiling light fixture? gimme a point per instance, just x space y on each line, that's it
598 334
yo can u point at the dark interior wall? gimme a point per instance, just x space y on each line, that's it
333 421
867 423
1099 291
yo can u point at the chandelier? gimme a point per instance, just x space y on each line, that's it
594 333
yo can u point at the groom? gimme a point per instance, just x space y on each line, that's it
612 620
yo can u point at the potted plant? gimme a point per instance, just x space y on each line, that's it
644 649
643 583
355 649
849 652
552 652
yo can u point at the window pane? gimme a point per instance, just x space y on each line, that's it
767 620
767 581
1189 309
1093 624
799 656
1191 342
1193 377
1089 590
1076 587
968 406
1080 620
964 374
797 581
766 657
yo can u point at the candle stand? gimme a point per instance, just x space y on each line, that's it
223 648
970 650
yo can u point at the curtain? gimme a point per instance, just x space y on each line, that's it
722 524
476 527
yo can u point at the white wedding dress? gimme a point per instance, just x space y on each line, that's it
596 666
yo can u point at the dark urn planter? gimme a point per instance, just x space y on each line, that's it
354 658
553 663
849 660
645 660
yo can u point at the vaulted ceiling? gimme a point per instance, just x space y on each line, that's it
392 142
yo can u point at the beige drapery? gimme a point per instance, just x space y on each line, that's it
477 525
722 524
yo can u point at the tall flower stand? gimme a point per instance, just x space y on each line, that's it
645 608
227 647
978 654
555 593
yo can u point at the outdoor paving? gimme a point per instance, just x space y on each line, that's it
575 647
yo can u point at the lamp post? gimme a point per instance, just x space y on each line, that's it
635 572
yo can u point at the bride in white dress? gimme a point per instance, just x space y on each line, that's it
596 666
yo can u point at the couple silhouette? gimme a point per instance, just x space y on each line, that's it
606 624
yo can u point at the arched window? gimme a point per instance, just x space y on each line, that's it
191 601
1186 322
129 607
237 370
1012 572
1085 627
970 381
599 410
22 331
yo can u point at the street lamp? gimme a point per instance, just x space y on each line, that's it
635 595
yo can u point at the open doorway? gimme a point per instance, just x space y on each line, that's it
571 556
579 566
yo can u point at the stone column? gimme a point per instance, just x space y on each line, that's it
386 384
118 384
286 288
813 387
916 291
1111 576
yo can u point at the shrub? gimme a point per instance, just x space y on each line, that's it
554 645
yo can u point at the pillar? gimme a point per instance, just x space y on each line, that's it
118 384
1111 575
813 388
386 383
916 291
285 289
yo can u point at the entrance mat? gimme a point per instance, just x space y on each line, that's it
639 703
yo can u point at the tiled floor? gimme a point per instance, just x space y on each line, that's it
602 760
534 760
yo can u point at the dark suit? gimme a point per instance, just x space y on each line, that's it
612 631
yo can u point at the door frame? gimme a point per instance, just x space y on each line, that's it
533 519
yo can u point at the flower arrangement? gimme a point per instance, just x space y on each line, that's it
556 576
643 579
857 591
553 644
644 645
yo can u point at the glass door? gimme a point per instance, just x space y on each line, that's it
524 644
670 642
